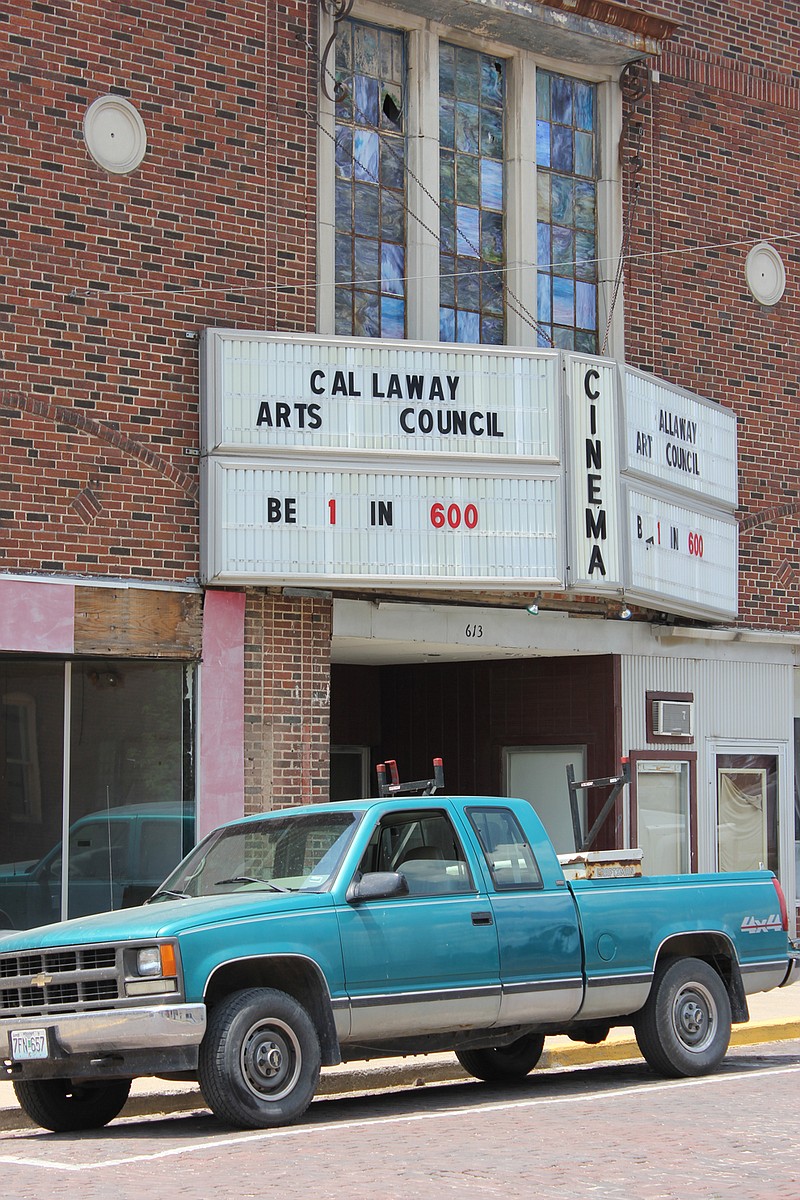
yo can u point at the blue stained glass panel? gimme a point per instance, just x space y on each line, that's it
564 339
468 283
544 309
365 48
344 212
492 331
344 152
468 179
543 251
561 155
447 123
392 218
366 208
392 268
467 230
365 154
447 228
491 183
468 74
344 267
584 105
492 291
561 99
393 165
492 133
447 283
543 337
467 128
563 301
586 305
586 256
447 69
366 315
491 237
562 207
367 257
543 95
447 177
584 154
542 144
447 324
563 251
491 81
393 317
469 326
366 101
585 206
585 341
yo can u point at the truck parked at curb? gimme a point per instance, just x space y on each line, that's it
301 938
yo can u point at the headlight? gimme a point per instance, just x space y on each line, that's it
148 961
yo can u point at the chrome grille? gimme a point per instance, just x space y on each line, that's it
60 980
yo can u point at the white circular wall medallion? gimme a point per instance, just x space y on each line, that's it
115 134
765 274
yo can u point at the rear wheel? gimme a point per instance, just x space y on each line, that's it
259 1060
64 1106
685 1026
503 1063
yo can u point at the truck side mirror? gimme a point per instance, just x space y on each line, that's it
377 885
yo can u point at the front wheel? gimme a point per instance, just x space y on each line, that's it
64 1106
500 1064
259 1060
685 1026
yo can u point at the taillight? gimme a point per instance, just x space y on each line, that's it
782 902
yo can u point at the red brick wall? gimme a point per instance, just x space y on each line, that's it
103 276
287 699
720 151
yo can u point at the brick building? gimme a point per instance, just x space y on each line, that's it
601 195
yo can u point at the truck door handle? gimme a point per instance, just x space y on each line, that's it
482 918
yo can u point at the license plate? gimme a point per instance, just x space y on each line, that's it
28 1043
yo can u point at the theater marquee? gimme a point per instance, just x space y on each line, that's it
386 464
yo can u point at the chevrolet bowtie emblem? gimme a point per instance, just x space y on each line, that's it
42 980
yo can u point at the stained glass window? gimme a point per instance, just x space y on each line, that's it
370 182
471 194
566 175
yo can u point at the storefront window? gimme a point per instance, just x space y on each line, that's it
125 797
747 812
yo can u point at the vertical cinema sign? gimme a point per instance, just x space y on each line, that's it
594 557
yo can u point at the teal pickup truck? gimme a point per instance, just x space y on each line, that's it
402 925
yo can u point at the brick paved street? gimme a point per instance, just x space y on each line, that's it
611 1131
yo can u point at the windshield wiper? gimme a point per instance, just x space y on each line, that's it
168 892
276 887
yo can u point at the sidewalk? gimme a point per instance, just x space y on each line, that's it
774 1017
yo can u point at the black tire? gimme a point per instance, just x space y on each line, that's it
259 1060
65 1106
685 1026
502 1064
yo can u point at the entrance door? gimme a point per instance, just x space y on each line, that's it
539 774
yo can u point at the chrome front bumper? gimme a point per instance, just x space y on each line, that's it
115 1031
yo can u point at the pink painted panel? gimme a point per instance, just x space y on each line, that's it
37 617
221 717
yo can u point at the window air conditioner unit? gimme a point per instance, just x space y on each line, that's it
673 718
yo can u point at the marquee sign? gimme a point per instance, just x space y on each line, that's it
271 520
385 464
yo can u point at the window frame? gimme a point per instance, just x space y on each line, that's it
422 133
501 886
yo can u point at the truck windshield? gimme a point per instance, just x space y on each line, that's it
277 854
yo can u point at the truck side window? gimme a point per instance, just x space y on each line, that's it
508 856
424 847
